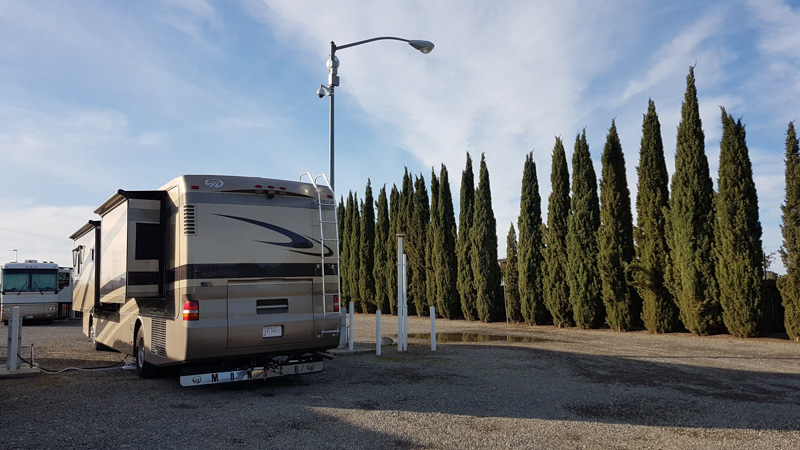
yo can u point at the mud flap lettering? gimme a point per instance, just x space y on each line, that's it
251 373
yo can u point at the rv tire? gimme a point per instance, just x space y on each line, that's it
143 368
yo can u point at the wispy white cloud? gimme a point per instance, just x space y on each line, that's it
669 62
189 16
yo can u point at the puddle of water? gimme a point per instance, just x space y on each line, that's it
474 337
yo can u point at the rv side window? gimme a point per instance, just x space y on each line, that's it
148 241
77 259
63 280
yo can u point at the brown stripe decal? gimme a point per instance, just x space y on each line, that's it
264 270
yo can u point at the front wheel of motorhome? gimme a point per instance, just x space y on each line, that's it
143 368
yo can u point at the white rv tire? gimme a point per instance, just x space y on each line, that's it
143 368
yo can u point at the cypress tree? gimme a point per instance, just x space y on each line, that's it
341 222
531 296
354 254
366 262
406 203
615 236
431 292
690 224
406 209
416 244
346 259
391 248
789 284
556 287
341 215
512 278
485 269
652 202
445 263
381 263
738 235
583 223
466 283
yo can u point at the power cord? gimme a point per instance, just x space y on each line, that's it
84 369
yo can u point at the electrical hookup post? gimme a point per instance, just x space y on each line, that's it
402 304
12 367
402 298
14 341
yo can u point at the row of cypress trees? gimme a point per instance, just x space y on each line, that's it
695 254
453 269
693 259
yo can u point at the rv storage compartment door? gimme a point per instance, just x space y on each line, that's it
266 313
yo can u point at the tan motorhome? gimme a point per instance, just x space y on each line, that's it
230 277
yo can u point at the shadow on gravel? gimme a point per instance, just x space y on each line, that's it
551 385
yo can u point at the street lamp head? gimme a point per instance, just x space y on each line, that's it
423 46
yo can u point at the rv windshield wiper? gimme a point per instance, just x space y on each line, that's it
22 288
36 286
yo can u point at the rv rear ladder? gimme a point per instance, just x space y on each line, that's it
327 259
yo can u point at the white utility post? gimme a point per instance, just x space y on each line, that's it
405 302
433 329
378 333
400 292
14 340
350 330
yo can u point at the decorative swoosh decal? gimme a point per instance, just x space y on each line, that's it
297 240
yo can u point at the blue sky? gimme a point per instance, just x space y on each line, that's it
96 95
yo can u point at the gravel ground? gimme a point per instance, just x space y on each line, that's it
486 386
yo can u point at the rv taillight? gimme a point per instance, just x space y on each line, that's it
335 303
259 186
195 187
191 310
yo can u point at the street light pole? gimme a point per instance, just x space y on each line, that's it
333 81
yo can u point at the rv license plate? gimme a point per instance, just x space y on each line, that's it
272 331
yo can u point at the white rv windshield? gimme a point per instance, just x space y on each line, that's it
29 280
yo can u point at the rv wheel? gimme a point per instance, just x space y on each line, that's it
143 368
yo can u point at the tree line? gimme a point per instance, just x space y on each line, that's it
693 259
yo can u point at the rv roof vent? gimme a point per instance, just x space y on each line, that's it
189 220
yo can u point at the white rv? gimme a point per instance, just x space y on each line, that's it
42 290
230 277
